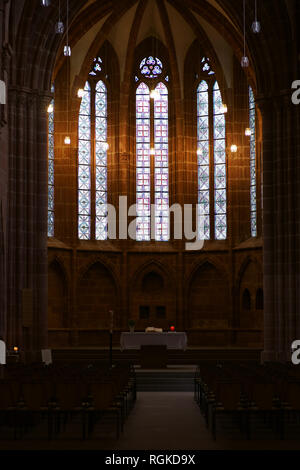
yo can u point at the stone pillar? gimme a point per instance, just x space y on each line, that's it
27 212
280 227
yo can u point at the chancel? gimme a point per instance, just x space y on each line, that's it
149 221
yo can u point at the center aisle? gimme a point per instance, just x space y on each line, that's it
164 421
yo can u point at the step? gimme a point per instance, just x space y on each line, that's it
173 379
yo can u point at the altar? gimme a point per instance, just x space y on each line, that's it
135 340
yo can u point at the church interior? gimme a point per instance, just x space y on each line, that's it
149 224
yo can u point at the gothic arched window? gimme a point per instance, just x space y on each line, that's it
211 153
152 152
51 169
92 157
252 125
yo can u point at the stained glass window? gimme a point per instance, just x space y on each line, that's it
252 125
211 156
97 66
143 166
220 193
84 166
203 160
151 67
51 169
101 160
161 163
152 155
92 157
206 67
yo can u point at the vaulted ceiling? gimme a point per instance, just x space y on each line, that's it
175 24
217 24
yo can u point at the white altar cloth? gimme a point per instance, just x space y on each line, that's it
172 340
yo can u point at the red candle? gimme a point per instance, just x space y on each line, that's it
172 328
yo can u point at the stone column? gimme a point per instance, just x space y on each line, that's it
280 227
27 236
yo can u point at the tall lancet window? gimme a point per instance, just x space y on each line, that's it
211 157
252 125
152 151
51 169
203 159
220 192
92 157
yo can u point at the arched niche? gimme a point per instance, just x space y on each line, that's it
57 296
246 300
96 295
250 282
153 299
208 298
259 301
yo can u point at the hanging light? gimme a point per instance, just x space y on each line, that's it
256 27
59 27
245 60
50 108
152 151
248 132
224 108
233 148
154 95
45 3
67 51
199 152
67 48
80 93
105 146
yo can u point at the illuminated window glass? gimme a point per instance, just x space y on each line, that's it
252 125
151 67
220 196
161 162
51 169
101 160
92 157
84 165
206 66
143 167
203 159
152 152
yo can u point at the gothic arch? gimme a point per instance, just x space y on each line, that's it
97 293
58 288
112 71
249 279
208 297
221 267
152 265
98 259
57 259
159 298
